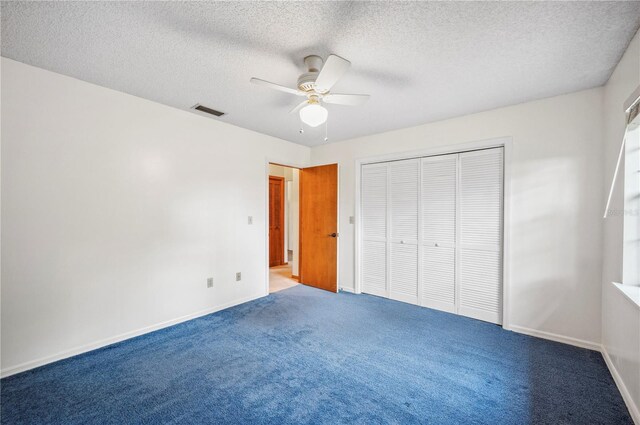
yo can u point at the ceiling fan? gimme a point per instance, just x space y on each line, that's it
315 85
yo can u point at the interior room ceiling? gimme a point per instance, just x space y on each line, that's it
419 61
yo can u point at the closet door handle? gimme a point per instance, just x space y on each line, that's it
333 235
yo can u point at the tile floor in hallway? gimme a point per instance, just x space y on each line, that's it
280 278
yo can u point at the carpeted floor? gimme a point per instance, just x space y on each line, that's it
307 356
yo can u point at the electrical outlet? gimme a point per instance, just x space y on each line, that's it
352 219
250 220
210 282
238 277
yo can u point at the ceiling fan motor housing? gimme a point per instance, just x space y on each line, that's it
307 81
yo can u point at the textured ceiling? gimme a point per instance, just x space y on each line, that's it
419 61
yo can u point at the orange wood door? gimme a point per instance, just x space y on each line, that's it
319 227
276 221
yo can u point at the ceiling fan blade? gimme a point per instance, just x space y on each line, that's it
275 86
297 108
333 69
346 99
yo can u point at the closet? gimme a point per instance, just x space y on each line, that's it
431 232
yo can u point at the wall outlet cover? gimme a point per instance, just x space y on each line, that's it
238 277
250 220
352 219
210 282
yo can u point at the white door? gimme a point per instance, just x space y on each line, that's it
403 235
432 232
374 229
438 196
480 235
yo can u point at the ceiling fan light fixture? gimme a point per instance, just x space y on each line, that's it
313 115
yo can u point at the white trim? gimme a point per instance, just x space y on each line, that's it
633 408
437 150
349 290
631 293
503 142
122 337
266 228
556 337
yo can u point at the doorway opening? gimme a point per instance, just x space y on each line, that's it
284 226
302 240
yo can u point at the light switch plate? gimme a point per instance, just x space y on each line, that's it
210 282
250 220
352 219
238 277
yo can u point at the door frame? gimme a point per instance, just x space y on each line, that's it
503 142
283 163
281 218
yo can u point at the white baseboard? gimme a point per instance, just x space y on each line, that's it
634 409
555 337
350 290
118 338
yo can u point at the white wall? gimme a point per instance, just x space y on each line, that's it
556 209
620 317
115 210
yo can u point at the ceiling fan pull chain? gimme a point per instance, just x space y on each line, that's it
326 130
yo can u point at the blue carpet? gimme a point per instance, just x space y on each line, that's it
307 356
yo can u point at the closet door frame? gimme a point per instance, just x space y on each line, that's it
503 142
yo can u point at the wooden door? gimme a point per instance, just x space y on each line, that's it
319 227
276 221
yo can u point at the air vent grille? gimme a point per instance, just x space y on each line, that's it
206 110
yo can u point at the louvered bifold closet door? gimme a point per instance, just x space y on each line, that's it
438 196
480 235
374 229
403 236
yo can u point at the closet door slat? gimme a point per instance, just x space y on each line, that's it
438 197
480 241
432 232
374 229
403 220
